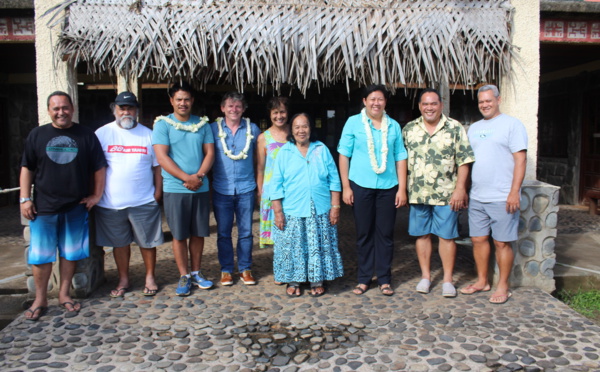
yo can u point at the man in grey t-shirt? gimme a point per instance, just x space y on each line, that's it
500 145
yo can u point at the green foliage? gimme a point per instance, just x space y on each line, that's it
587 303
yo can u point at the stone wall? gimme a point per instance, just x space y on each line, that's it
534 251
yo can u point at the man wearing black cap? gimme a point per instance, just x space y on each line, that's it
129 211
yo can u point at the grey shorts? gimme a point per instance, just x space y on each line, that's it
187 214
486 217
120 227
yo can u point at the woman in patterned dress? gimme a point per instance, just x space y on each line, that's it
305 194
268 146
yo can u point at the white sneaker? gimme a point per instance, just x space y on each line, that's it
448 290
423 286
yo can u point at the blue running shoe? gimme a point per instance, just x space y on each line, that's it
184 287
201 281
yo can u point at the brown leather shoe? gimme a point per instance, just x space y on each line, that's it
247 277
226 278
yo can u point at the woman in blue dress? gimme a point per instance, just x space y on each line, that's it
305 194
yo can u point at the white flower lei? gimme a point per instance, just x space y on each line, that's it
244 153
188 128
371 146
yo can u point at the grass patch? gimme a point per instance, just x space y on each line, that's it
585 302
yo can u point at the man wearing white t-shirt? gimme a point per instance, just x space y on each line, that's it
500 145
129 211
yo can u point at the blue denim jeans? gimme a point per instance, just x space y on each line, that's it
225 207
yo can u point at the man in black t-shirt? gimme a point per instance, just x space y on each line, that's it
66 164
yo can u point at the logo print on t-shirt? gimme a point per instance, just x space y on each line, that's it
484 133
128 149
62 149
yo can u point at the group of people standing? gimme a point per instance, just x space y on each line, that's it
126 170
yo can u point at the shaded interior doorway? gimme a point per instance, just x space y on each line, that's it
329 107
590 156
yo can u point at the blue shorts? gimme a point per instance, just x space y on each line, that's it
439 220
68 232
486 217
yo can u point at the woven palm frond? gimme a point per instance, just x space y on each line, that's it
301 43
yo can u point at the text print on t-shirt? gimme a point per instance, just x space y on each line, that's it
62 149
128 149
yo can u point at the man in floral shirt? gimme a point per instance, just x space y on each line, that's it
439 154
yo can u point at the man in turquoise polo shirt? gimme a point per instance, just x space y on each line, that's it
184 148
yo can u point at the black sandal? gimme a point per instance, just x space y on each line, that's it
313 291
386 290
149 292
358 289
297 291
40 310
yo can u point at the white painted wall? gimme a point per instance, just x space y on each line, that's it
52 75
520 97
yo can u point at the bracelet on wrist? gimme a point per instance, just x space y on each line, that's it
336 206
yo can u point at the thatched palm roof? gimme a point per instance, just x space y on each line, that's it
297 42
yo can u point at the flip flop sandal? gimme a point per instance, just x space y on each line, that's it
149 292
41 311
503 298
119 292
73 306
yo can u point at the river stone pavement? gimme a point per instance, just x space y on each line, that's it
259 328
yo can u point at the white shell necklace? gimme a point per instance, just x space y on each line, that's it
244 153
370 144
177 125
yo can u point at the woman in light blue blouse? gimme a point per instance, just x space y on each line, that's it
373 172
305 194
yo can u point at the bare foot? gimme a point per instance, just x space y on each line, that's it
474 288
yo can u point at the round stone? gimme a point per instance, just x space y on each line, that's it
39 356
524 202
547 267
457 357
535 224
436 361
510 357
532 268
548 246
540 203
527 247
551 220
477 358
